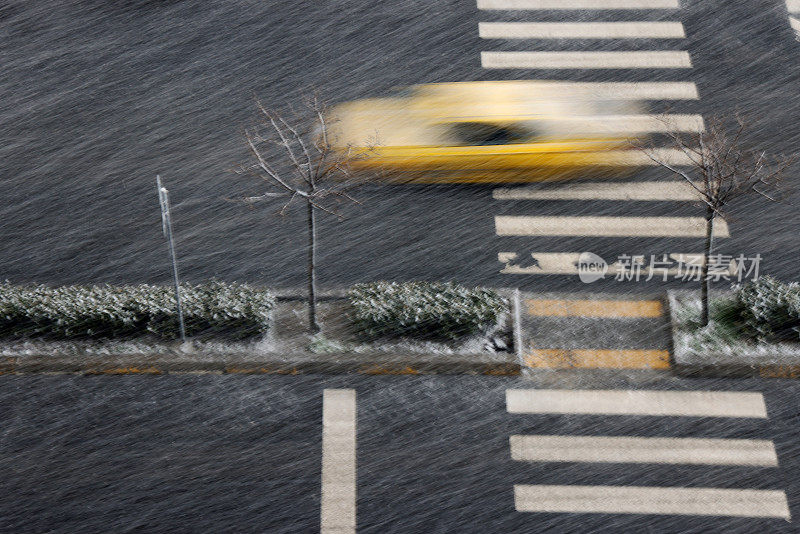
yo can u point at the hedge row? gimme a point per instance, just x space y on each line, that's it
768 309
424 309
216 308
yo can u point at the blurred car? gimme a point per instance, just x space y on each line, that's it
507 131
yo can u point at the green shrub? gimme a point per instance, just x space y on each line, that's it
769 308
424 309
67 312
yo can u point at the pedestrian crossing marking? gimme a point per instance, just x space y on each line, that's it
793 6
651 500
338 492
615 449
745 404
597 359
603 226
654 59
581 30
609 309
644 191
577 4
630 90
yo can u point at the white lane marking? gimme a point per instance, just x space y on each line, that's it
655 59
567 263
792 6
651 500
648 191
634 158
524 225
795 23
581 30
338 502
578 4
638 90
643 450
636 124
638 402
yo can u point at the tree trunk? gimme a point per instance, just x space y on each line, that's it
704 279
312 276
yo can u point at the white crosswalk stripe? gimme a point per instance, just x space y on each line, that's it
581 30
578 4
655 59
680 265
793 6
666 450
643 450
638 90
522 225
637 402
645 191
651 500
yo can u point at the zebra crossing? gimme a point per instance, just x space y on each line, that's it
579 226
793 7
667 451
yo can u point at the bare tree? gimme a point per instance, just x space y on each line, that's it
299 160
720 168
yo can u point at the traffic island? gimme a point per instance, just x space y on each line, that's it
287 348
731 346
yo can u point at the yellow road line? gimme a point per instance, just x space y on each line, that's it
594 308
598 359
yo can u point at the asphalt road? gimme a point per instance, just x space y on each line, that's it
212 453
100 97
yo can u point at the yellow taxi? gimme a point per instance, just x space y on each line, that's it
505 131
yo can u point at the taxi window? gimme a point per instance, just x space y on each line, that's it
479 133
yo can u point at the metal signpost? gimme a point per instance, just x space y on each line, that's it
166 226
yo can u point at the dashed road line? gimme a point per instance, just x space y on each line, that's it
581 30
338 497
522 225
746 404
609 309
577 4
615 449
652 59
644 191
651 500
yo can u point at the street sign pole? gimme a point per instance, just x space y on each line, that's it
166 227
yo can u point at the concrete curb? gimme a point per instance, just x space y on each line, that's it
713 365
373 364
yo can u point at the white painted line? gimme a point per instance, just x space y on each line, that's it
795 24
651 500
338 502
656 59
645 191
643 450
524 225
581 30
578 4
637 402
634 158
640 90
792 6
636 124
566 263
